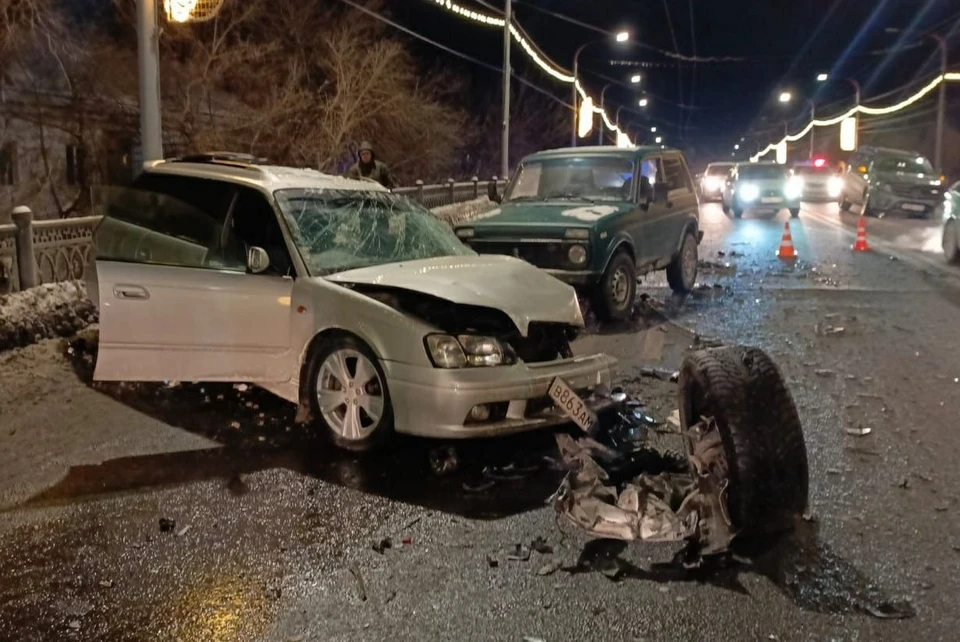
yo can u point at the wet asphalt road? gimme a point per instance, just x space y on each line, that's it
272 531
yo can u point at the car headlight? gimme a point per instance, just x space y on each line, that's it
465 232
834 186
577 233
749 192
794 188
712 183
577 254
467 350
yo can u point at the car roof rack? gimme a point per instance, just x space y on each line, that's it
233 158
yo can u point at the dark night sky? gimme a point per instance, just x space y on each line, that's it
785 43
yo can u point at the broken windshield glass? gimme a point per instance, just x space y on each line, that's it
338 230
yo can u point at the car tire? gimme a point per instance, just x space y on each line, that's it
845 205
951 244
682 271
795 212
724 207
744 392
333 366
737 212
617 288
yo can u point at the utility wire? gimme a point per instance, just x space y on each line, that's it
411 32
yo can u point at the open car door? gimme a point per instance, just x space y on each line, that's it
176 299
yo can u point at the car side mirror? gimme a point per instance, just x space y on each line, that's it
492 192
257 260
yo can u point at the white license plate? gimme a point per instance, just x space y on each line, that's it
913 207
572 405
770 199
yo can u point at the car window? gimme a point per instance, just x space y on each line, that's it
253 223
590 178
917 164
144 226
675 175
650 167
761 172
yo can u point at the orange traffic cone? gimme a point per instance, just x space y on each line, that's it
786 250
861 243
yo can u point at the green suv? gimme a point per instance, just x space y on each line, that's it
890 181
596 218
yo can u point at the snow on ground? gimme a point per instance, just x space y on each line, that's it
464 211
50 310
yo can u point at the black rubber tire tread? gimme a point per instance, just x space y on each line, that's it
845 205
951 228
760 428
724 207
384 430
795 212
605 309
675 269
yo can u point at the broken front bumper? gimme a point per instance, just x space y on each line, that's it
434 402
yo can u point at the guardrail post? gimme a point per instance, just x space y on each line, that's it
419 185
476 187
26 262
450 184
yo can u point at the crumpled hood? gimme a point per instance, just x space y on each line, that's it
560 213
521 291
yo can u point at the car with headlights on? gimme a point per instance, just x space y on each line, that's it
596 218
356 304
889 181
762 187
951 224
821 183
713 181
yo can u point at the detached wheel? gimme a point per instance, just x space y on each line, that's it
349 399
951 246
617 288
744 392
682 271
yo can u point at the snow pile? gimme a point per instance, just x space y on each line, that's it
50 310
464 211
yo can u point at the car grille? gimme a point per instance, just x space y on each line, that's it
770 192
543 255
915 191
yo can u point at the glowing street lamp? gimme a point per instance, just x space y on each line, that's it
644 102
785 96
822 77
623 36
658 140
736 146
635 78
653 130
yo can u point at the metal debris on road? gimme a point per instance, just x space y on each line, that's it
406 541
617 395
549 568
361 589
74 624
540 545
528 638
183 531
106 583
166 524
382 545
659 373
521 554
492 562
859 431
444 460
825 329
825 373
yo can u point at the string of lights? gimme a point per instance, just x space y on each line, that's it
861 109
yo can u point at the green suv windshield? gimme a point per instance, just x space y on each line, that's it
917 164
596 178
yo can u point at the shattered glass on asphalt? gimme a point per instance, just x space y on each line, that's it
339 230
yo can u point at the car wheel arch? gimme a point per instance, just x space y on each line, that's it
690 227
313 345
619 245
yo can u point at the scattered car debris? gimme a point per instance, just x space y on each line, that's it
549 568
521 554
382 545
106 583
540 545
183 531
167 525
492 562
825 373
528 638
826 329
444 460
361 589
510 472
904 483
391 596
406 541
479 487
74 624
859 431
659 373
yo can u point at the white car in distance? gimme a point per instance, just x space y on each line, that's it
356 304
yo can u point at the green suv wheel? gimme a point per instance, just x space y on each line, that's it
682 271
617 289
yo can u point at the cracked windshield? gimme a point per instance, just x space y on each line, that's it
338 230
586 179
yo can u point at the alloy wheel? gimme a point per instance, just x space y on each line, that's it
350 394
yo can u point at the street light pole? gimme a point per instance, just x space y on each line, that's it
622 36
600 128
941 101
813 117
148 56
505 122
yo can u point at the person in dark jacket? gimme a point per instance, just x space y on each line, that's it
369 167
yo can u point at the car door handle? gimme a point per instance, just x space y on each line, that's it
130 292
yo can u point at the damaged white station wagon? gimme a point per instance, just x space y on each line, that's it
356 304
